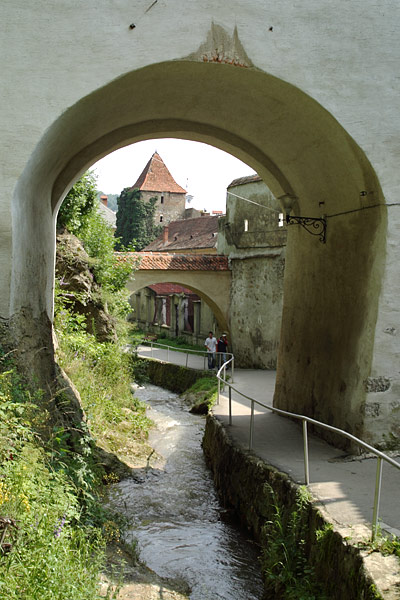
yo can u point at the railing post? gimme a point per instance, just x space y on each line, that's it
223 389
230 405
377 498
204 362
233 368
219 390
251 426
305 445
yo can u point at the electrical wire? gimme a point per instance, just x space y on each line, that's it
256 203
237 232
347 212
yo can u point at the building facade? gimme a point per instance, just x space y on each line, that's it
155 181
171 309
253 238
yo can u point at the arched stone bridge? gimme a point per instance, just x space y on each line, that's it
207 275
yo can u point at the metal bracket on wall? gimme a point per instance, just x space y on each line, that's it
314 226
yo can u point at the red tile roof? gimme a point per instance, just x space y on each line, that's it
145 261
185 234
155 177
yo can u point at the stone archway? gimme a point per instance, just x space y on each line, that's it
205 286
297 147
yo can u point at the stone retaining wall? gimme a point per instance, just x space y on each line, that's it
244 483
172 377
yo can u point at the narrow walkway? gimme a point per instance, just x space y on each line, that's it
194 361
342 485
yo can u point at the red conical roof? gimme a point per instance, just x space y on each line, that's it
155 177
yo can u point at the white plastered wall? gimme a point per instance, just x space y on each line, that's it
344 55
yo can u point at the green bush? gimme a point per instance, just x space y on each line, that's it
79 213
78 204
53 552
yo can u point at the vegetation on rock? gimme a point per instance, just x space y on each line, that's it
53 547
51 505
78 205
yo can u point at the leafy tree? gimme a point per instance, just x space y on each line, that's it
98 240
80 214
78 205
135 220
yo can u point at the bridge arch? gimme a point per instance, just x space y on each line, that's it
297 147
213 290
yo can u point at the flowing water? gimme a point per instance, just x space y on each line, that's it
175 513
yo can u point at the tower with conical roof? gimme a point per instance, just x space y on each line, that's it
155 181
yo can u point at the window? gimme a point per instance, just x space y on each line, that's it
162 199
161 218
246 225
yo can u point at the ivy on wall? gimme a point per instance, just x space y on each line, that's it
135 220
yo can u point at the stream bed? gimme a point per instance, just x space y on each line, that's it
175 515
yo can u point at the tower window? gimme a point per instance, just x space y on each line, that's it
162 200
161 218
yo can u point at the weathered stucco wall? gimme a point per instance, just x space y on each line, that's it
306 93
336 394
255 243
256 310
172 208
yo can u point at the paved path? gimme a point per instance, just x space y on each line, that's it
194 361
344 488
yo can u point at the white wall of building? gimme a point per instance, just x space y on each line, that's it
305 92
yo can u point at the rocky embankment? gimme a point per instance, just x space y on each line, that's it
73 268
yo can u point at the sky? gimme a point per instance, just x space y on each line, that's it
204 171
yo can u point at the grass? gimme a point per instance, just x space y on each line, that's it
57 547
287 573
203 392
179 343
51 494
103 373
384 544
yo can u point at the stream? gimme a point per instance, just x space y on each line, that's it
175 514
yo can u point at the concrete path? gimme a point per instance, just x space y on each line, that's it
343 486
194 361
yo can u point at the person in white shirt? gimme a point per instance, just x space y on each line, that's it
211 345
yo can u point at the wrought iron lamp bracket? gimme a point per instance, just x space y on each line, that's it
314 226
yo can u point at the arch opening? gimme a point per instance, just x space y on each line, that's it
297 147
171 309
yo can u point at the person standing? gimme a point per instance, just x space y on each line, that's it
211 345
222 348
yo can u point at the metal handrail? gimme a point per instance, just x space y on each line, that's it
188 351
380 455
